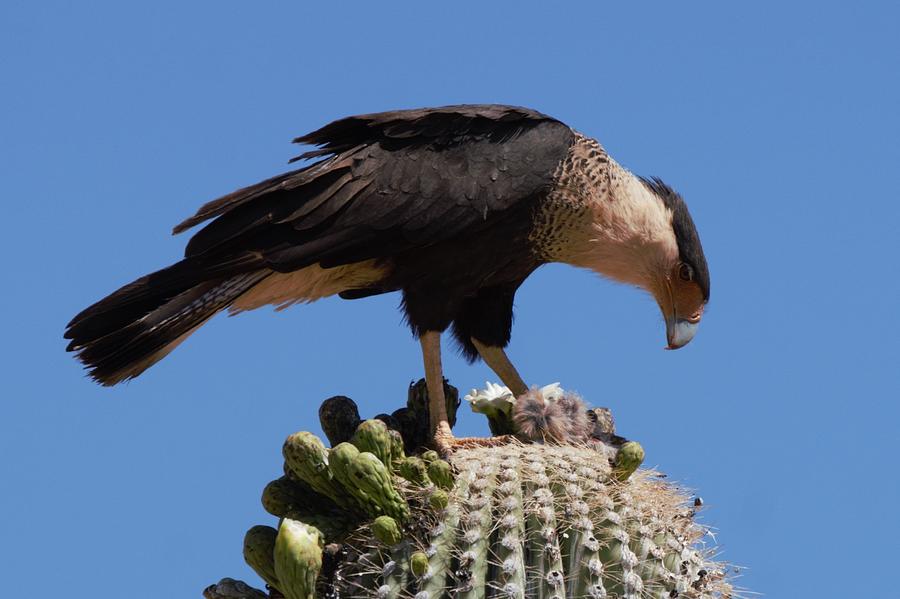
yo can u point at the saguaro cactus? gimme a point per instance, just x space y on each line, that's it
563 518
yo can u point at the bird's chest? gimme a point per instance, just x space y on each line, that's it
496 256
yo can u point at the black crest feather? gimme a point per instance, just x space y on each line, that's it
689 248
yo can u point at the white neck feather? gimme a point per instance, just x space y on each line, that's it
632 239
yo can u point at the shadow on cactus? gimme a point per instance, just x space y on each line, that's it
558 510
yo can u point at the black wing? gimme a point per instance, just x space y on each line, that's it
388 182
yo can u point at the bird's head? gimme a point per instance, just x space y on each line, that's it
644 235
680 283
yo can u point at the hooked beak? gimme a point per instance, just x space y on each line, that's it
682 317
680 331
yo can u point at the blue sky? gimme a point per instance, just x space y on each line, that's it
778 123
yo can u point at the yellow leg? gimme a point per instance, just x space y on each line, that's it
434 380
499 362
442 437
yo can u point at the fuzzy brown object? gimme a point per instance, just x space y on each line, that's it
563 420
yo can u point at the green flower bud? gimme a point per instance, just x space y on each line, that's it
441 474
340 461
298 559
280 496
418 564
386 530
372 477
307 458
333 524
259 552
415 471
628 458
438 500
373 436
397 453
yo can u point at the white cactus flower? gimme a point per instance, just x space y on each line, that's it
498 398
491 392
492 398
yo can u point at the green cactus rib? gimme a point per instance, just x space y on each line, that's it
510 529
395 573
544 572
443 536
542 521
476 524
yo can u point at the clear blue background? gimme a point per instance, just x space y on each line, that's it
777 121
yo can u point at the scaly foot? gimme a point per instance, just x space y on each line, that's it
445 443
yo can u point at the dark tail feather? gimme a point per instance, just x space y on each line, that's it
130 330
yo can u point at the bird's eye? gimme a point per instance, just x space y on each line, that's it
685 272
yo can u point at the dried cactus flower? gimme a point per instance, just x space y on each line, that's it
414 419
339 418
229 588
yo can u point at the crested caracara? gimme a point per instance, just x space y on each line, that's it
453 207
